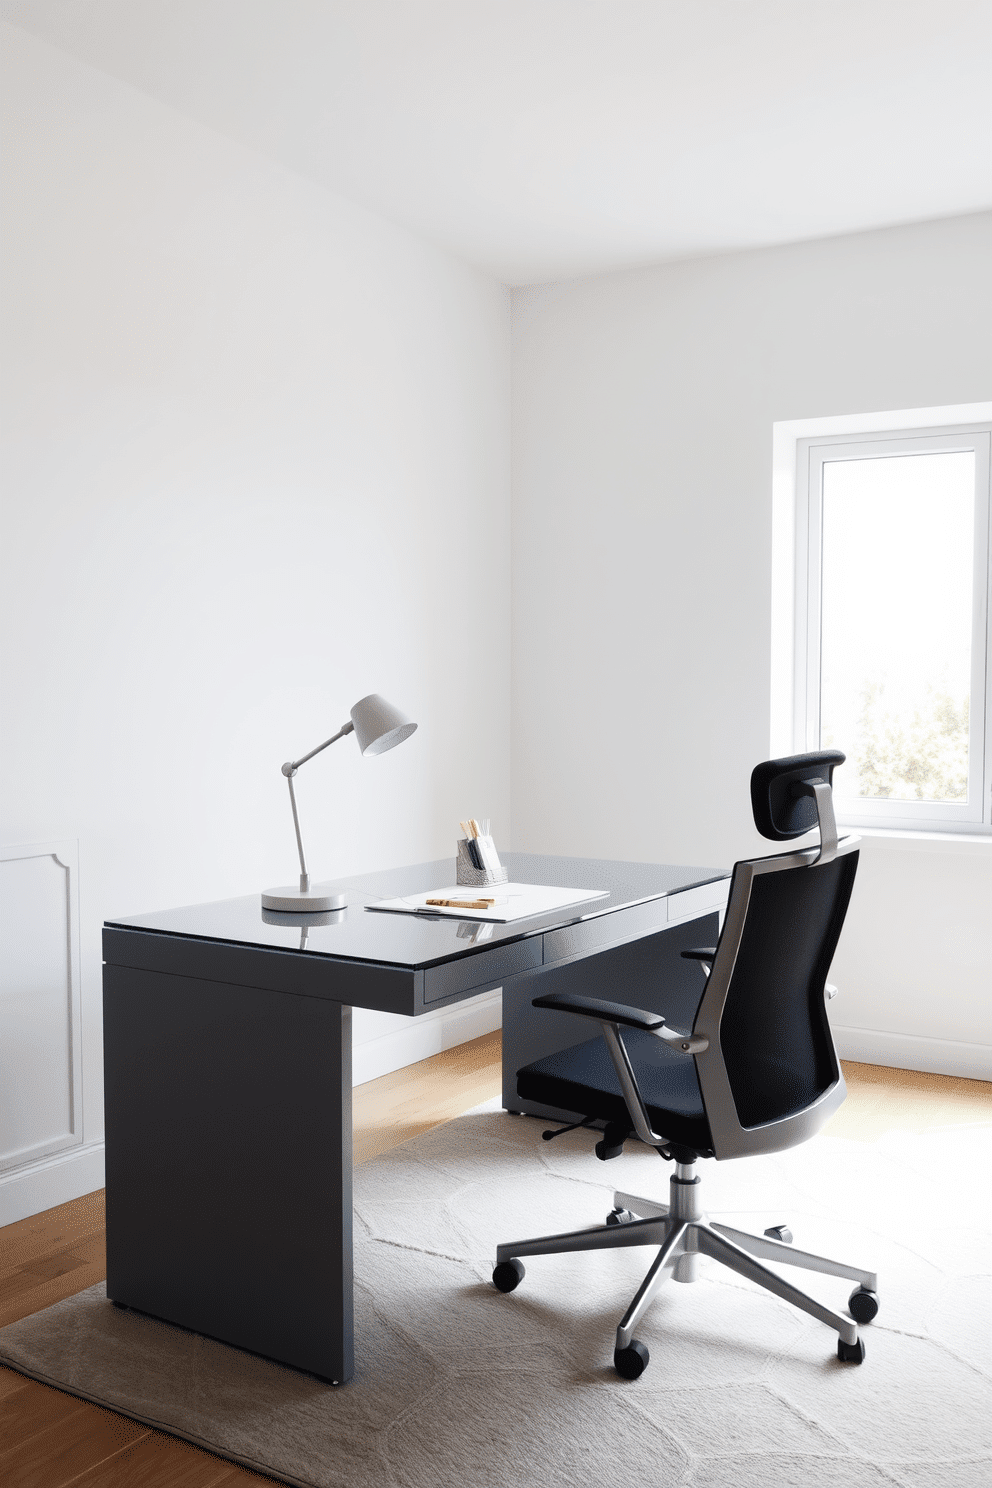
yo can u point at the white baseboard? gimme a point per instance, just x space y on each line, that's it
908 1051
421 1037
53 1180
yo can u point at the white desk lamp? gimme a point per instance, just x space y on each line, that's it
377 726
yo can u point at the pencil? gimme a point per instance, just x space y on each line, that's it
463 903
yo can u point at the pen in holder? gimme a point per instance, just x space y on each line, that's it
468 876
477 865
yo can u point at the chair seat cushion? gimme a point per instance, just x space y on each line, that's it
582 1079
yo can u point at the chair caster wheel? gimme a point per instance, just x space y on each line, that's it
780 1232
508 1275
631 1361
619 1217
851 1353
862 1305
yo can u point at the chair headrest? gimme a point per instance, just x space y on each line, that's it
781 811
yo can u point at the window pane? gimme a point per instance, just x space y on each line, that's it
898 537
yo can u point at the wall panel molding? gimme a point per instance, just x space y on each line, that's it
40 1010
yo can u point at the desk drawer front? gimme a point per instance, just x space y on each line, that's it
608 929
698 901
485 969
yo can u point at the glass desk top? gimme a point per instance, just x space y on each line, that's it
360 933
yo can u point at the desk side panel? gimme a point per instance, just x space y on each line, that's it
229 1163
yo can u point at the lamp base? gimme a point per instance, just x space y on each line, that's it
290 899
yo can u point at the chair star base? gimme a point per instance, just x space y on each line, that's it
682 1232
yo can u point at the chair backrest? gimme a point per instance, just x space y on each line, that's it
771 1076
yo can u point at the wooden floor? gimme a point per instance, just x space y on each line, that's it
49 1439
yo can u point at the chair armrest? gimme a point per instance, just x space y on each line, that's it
701 953
611 1016
596 1007
628 1017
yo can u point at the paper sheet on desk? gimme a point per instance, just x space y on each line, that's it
521 901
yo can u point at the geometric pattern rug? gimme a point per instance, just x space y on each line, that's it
459 1386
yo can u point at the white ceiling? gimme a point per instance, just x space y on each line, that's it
547 138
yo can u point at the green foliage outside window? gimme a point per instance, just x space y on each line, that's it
922 757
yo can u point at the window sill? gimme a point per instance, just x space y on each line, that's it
890 839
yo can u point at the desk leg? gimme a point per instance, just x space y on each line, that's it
646 973
229 1200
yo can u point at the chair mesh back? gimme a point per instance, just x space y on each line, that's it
774 1034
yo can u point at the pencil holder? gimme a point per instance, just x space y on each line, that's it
468 876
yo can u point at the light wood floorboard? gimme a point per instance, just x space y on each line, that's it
396 1107
881 1100
51 1440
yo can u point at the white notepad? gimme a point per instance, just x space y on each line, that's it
519 901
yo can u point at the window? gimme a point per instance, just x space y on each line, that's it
892 602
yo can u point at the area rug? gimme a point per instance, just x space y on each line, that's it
458 1386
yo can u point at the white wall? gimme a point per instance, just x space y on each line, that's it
256 436
256 439
642 424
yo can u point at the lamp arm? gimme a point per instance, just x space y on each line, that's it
304 875
289 769
346 728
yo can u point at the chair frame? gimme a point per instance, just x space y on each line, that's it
681 1229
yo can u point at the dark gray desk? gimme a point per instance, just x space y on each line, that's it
227 1044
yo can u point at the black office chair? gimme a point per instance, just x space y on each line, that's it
757 1073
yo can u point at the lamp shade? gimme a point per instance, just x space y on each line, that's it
378 725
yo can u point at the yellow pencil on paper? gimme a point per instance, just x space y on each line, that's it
462 903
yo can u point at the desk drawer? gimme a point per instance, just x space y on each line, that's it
701 900
484 969
604 930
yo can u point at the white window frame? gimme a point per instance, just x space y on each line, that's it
812 452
